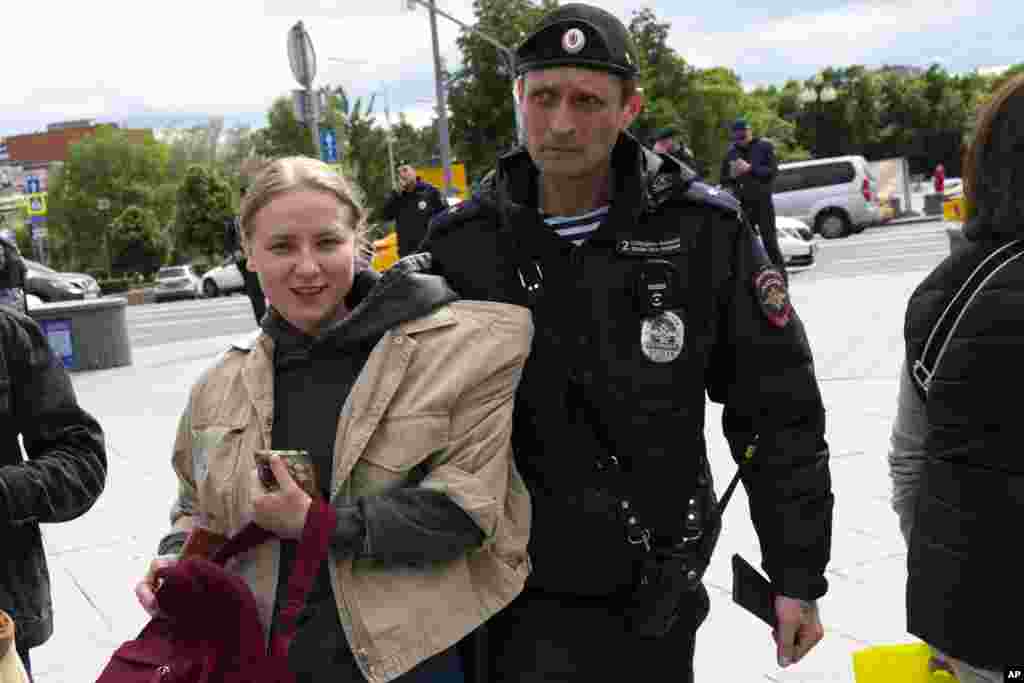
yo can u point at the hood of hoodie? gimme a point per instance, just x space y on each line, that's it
377 303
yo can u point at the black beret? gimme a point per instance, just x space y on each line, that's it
579 35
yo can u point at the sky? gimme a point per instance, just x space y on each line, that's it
172 64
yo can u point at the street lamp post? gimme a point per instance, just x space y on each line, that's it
818 93
442 109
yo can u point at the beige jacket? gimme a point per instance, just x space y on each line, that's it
444 382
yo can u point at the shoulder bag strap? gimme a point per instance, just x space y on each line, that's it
924 368
312 550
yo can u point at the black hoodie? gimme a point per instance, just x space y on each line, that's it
312 380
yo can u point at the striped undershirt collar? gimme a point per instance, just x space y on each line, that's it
577 228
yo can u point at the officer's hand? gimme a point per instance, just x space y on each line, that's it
284 510
799 629
741 167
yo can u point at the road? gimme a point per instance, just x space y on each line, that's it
886 249
174 321
880 250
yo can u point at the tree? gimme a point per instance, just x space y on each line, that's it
110 166
414 144
667 80
285 135
136 243
718 101
205 205
483 120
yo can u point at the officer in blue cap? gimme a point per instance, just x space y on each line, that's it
649 293
748 170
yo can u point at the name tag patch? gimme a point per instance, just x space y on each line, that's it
648 248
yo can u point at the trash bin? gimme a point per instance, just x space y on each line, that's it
933 204
86 335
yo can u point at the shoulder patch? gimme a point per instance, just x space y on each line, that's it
702 193
449 219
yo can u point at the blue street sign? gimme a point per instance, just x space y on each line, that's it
328 146
31 184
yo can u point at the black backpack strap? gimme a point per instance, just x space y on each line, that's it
924 368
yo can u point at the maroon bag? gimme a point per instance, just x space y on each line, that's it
209 630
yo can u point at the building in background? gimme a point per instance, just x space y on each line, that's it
34 149
25 164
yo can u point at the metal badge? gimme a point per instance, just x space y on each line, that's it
573 41
662 337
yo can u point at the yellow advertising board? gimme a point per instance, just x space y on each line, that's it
385 252
435 176
953 210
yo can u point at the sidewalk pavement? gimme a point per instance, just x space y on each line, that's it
855 327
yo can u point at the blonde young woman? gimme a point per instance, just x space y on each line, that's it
402 395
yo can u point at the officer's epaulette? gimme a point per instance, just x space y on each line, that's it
702 193
445 221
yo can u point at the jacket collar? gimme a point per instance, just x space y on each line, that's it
635 178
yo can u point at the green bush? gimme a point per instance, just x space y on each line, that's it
136 242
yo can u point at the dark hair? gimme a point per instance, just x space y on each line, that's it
994 166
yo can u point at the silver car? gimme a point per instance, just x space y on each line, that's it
223 279
836 196
177 282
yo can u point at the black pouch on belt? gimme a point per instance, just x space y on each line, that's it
669 575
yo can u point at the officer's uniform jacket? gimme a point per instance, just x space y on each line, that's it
600 358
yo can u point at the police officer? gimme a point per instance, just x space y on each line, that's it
233 247
748 171
647 289
411 206
664 142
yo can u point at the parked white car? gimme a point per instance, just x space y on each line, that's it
795 242
176 282
223 279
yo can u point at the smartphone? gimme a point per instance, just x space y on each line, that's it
753 592
299 465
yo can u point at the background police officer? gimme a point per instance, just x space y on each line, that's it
665 141
748 170
411 206
647 289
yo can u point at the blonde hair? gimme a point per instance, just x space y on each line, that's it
291 174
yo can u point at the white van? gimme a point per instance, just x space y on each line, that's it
836 196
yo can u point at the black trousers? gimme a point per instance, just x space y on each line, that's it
545 638
253 291
762 214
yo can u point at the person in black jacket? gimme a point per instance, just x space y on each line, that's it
62 477
411 206
748 171
647 289
955 459
664 142
233 248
